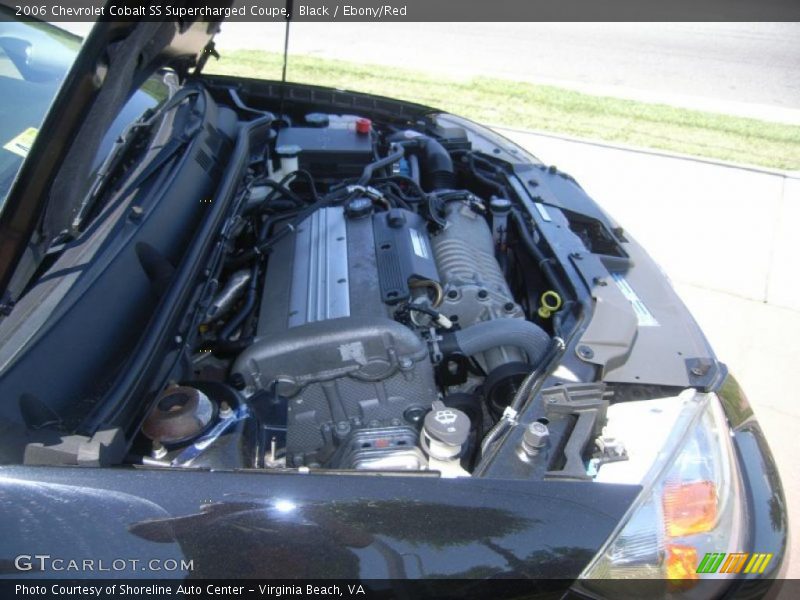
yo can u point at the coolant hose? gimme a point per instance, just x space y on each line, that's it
483 336
387 161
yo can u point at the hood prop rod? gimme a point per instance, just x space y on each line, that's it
289 9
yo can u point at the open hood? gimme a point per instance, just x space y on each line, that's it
114 61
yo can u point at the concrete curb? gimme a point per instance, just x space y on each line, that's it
650 151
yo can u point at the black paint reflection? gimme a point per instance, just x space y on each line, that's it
279 539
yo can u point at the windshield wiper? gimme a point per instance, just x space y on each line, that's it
110 168
124 151
134 150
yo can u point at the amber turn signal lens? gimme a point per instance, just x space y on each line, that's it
689 508
681 564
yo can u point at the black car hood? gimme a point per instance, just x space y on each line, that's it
259 525
115 60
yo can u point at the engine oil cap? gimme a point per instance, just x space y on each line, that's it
447 425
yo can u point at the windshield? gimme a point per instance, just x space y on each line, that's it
34 58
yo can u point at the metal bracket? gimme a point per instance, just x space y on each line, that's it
585 405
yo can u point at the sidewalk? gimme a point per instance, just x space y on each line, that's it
722 234
758 342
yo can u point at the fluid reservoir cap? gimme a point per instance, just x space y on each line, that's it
363 126
358 207
288 150
500 205
447 425
317 120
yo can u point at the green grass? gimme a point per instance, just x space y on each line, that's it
542 107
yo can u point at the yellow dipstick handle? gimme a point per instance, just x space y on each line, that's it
551 302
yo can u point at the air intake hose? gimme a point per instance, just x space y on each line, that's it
438 170
437 166
483 336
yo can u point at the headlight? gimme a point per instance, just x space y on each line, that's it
690 505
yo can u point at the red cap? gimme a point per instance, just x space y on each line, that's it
363 126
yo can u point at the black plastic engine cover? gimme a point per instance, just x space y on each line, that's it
403 253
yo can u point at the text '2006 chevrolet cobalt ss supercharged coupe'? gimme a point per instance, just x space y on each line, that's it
277 330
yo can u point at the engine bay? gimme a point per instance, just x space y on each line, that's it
382 303
330 282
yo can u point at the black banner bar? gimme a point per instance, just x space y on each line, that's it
377 589
376 11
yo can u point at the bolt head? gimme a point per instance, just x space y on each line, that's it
158 450
225 410
237 381
534 439
536 434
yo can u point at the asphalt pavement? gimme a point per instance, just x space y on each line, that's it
748 69
745 69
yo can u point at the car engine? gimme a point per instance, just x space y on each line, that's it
364 317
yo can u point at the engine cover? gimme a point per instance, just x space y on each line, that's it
326 338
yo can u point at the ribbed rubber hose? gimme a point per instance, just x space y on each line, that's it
483 336
528 388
